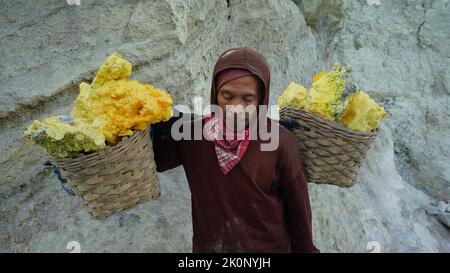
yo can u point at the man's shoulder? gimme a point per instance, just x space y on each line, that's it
286 136
279 139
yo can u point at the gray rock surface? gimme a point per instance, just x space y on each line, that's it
444 218
399 52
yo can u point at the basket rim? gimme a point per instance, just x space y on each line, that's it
327 124
108 149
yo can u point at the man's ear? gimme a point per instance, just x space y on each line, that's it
261 89
216 94
216 97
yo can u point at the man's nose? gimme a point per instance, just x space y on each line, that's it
236 102
235 108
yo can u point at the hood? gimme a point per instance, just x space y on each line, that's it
245 58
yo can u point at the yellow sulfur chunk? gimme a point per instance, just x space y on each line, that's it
295 95
318 76
326 92
324 99
114 68
63 137
106 110
362 113
120 106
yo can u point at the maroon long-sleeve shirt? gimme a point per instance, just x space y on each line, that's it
261 205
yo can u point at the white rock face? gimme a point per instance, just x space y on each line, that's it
400 55
399 52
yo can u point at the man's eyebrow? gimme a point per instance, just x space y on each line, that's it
247 92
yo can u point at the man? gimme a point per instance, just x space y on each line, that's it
244 199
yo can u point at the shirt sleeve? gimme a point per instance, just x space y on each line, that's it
166 149
296 200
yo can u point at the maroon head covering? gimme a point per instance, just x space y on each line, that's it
242 58
230 74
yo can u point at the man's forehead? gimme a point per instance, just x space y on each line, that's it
239 90
246 81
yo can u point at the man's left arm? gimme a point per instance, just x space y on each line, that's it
296 200
298 214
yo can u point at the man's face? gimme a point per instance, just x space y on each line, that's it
235 96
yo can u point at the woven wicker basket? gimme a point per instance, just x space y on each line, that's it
332 153
115 178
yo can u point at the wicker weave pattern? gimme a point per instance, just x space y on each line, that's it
115 178
332 153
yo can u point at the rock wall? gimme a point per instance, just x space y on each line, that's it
399 52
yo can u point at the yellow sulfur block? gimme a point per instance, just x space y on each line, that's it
104 111
295 95
318 76
325 94
362 113
119 105
62 136
114 68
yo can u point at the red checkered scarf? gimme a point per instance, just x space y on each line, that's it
229 152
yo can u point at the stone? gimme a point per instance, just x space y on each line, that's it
432 210
444 218
442 206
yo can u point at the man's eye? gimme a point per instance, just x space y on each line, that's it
226 96
248 99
